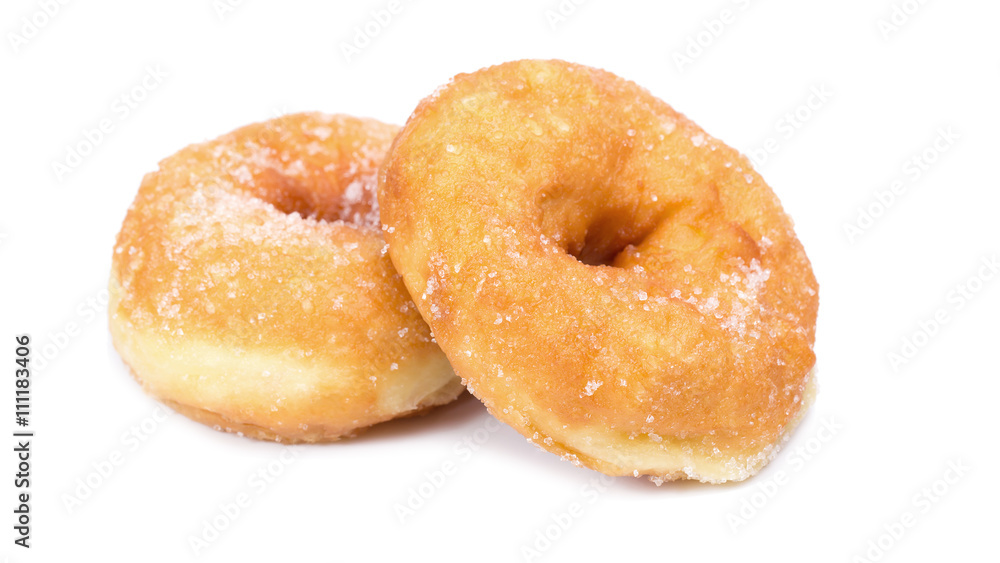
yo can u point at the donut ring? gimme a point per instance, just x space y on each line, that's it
250 289
608 279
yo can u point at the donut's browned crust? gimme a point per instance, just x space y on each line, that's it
251 290
610 280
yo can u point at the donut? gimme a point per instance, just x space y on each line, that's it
250 288
607 278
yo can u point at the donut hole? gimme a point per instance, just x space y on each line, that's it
320 197
598 211
607 237
598 235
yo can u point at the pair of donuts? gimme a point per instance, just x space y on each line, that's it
608 279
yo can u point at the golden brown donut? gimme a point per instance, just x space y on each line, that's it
611 281
251 291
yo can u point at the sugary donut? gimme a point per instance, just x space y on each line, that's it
611 281
251 291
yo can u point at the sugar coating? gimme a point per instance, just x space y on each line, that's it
591 387
265 243
661 310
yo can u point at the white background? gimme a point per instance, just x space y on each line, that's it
896 427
